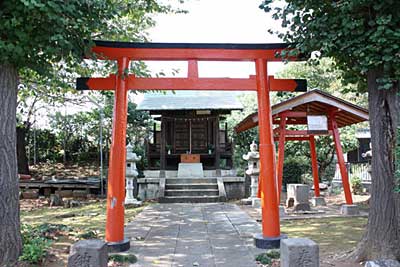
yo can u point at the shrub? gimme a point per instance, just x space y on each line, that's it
123 258
356 185
263 258
35 245
293 170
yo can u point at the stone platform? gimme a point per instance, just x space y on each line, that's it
218 234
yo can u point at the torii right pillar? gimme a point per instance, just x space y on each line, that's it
349 208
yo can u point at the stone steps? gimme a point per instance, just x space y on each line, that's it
191 186
191 190
190 199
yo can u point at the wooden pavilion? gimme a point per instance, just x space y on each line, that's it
190 125
312 109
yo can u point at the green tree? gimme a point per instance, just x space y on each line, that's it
40 35
364 39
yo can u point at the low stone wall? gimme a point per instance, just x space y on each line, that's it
234 187
148 188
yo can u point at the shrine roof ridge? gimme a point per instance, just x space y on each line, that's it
158 45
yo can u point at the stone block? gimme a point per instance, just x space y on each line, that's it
246 201
79 194
299 192
190 170
55 200
30 194
382 263
318 201
64 193
299 252
256 202
90 253
349 209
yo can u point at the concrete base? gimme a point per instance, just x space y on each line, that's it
302 207
299 252
133 202
119 246
245 201
190 170
349 209
267 243
318 201
256 202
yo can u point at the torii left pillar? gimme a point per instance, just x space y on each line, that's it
271 236
116 172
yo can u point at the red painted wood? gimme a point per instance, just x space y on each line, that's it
314 165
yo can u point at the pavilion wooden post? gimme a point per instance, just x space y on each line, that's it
269 205
116 173
314 165
340 158
162 147
281 153
217 150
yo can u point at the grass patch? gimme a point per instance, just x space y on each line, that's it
90 218
332 234
123 258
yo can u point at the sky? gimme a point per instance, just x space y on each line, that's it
214 21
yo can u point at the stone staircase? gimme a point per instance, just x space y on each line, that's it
191 190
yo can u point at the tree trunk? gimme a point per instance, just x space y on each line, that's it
382 236
22 159
10 237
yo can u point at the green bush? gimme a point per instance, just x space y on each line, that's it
123 258
356 185
263 258
293 170
35 245
273 253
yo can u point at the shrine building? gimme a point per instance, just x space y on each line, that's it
190 127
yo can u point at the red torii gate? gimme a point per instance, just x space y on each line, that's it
294 111
124 52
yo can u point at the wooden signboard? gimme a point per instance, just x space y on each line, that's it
190 158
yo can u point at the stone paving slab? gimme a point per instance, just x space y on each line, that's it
210 234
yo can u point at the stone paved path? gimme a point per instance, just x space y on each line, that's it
217 234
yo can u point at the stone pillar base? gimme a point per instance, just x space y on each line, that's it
256 202
266 242
133 202
349 209
124 245
299 252
245 201
318 201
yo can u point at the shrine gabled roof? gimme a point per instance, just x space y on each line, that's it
314 102
190 101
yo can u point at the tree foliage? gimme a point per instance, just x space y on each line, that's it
360 35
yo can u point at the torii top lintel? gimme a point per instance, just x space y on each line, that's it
188 51
192 53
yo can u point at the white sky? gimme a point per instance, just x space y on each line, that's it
214 21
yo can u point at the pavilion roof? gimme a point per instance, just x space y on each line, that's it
314 102
190 101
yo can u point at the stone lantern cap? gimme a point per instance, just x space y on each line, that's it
130 155
253 155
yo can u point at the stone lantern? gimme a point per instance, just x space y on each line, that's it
253 170
131 174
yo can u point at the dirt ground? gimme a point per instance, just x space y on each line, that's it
336 235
